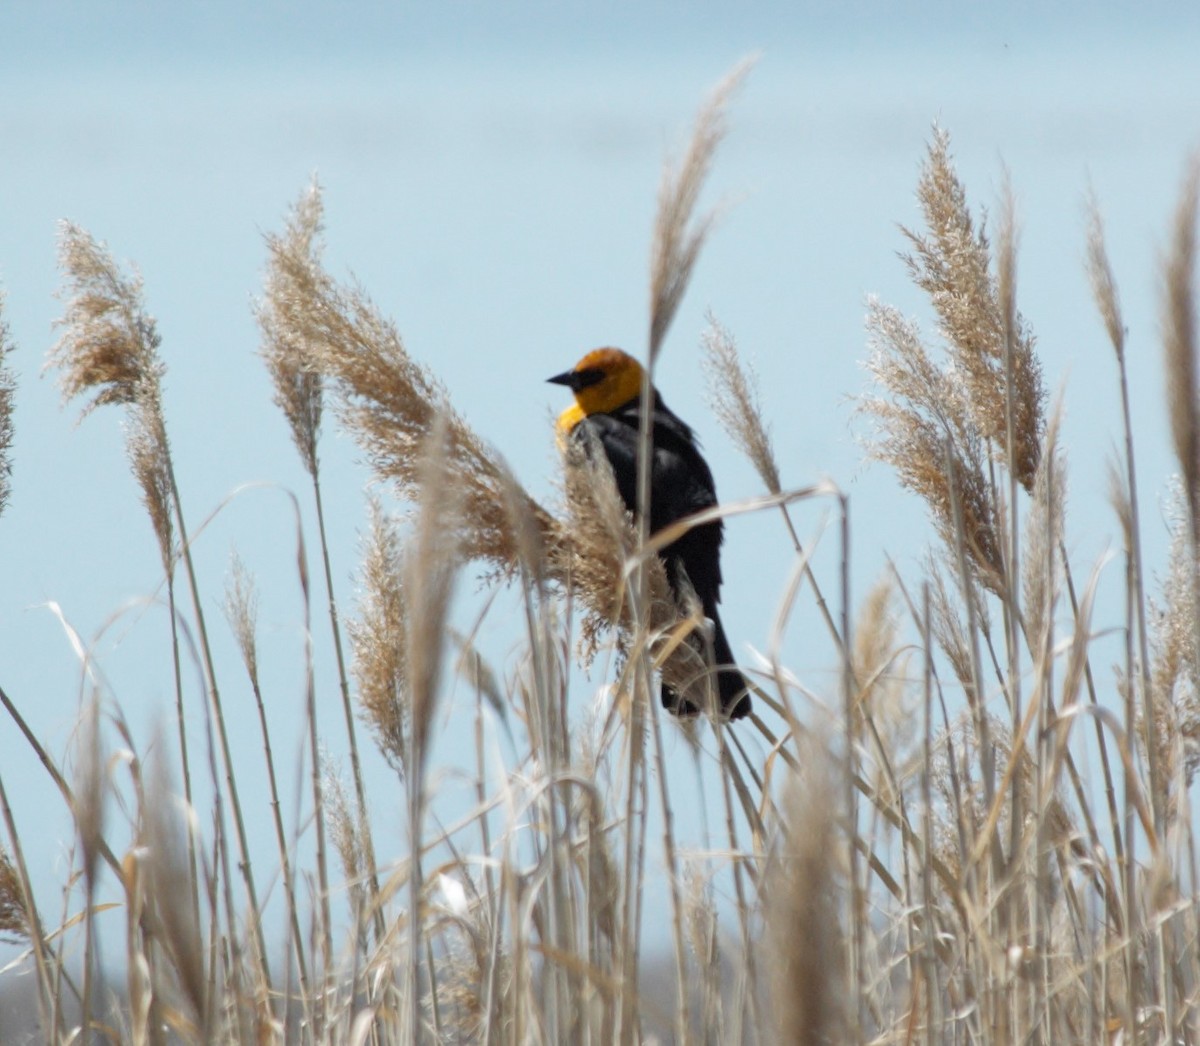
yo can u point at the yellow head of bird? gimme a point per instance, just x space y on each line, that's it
602 381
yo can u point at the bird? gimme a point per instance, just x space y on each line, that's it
607 384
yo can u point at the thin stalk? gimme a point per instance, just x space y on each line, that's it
811 578
1110 788
181 722
50 1013
1132 920
218 715
325 930
857 896
929 955
1011 602
360 793
682 1029
285 863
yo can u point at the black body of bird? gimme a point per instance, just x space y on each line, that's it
607 384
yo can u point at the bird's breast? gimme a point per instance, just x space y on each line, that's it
569 418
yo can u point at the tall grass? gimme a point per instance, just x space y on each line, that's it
979 835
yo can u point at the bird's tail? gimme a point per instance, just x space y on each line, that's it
732 688
733 692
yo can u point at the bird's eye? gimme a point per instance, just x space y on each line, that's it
585 379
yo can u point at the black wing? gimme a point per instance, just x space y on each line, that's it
681 484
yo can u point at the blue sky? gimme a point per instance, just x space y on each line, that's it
490 178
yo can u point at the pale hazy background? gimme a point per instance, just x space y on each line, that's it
490 178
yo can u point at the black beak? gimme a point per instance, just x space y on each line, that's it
567 377
578 379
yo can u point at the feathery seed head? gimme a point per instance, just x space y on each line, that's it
926 433
1104 285
378 637
286 321
1179 323
109 344
109 349
13 917
241 610
951 262
679 234
733 393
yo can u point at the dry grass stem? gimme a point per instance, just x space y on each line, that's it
1179 327
430 566
90 791
1041 565
8 390
805 940
165 858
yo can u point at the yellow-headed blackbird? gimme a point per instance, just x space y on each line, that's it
608 384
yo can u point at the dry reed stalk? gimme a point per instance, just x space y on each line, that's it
431 564
1011 356
164 863
1183 372
241 610
1179 327
677 241
108 351
44 965
91 794
289 355
8 390
1104 292
733 396
807 945
1041 574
